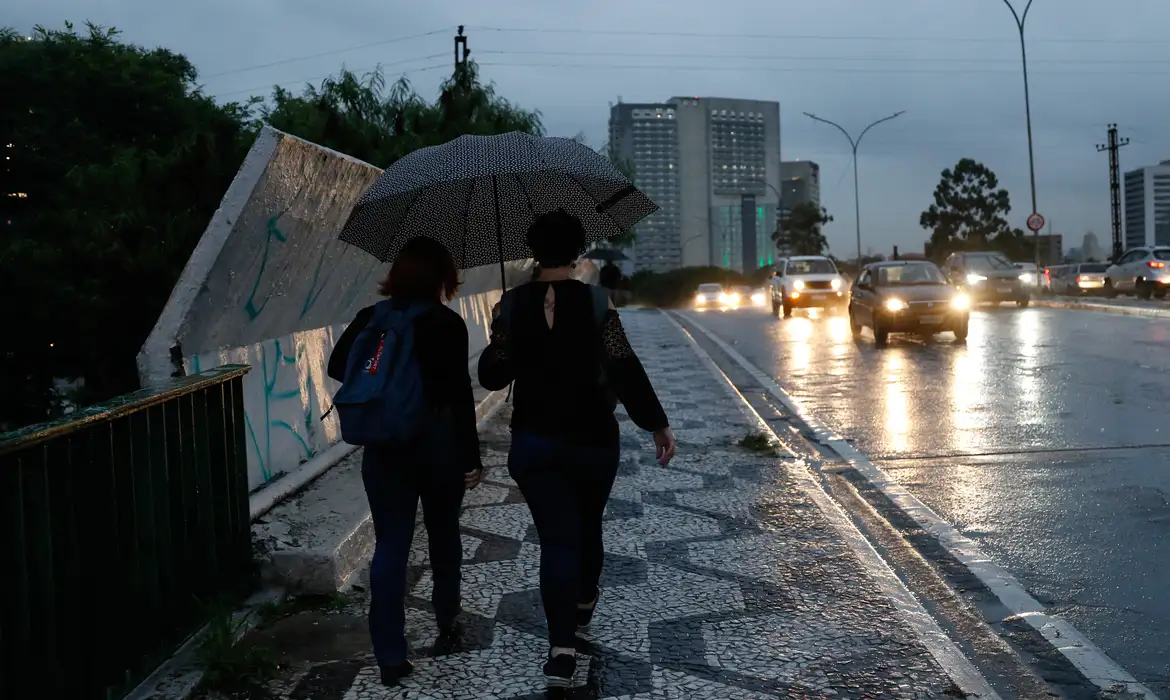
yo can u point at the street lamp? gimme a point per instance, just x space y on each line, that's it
855 144
1021 18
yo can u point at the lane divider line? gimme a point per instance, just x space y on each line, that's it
944 650
1090 661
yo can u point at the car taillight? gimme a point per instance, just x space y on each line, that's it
1156 264
1047 276
1078 279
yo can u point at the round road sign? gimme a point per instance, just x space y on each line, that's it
1035 222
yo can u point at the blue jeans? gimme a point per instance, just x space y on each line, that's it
566 486
395 482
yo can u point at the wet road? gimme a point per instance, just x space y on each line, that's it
1045 438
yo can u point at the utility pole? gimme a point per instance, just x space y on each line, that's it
1021 19
1112 146
461 50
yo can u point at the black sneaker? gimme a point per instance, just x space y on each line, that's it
585 616
558 670
392 674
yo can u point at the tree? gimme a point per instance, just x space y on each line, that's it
360 117
801 231
970 212
116 163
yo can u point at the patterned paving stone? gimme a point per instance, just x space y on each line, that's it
723 580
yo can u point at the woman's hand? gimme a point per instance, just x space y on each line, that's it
472 478
664 445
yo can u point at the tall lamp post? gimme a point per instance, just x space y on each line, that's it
855 144
1021 18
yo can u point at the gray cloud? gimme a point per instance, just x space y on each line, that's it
963 98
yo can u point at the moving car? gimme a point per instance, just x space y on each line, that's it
806 281
1142 272
906 296
743 295
710 294
988 277
1029 274
1082 278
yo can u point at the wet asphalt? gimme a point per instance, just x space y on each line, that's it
1045 438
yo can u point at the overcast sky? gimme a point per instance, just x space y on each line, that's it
953 65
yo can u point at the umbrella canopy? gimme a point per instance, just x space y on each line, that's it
477 196
609 255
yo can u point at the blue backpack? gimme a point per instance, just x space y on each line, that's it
381 399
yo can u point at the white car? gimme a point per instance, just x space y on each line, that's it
1143 272
807 281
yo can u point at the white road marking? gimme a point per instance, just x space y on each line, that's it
1093 663
952 660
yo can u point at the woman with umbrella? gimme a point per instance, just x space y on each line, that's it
570 365
482 198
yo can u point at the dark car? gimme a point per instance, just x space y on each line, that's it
908 296
988 277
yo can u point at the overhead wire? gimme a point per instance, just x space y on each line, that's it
367 69
803 37
323 54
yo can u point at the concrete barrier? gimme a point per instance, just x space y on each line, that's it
270 285
1125 309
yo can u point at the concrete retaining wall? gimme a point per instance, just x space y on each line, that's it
270 285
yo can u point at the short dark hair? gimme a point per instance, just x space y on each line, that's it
423 270
557 239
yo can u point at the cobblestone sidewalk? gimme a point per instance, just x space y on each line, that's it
722 580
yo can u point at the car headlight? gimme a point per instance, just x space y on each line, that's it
700 298
733 298
1027 278
758 298
974 278
962 302
895 304
798 285
836 283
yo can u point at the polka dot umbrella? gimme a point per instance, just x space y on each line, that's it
477 196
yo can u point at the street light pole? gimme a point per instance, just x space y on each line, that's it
855 144
1021 18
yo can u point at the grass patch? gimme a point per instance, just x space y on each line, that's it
230 660
759 443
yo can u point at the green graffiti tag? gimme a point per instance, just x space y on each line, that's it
273 232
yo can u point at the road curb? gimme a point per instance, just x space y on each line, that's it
945 652
1142 311
1091 662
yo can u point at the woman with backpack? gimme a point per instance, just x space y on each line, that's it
563 345
406 395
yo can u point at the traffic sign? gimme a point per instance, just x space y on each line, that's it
1035 222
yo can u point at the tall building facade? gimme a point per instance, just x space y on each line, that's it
729 162
800 183
1147 206
646 135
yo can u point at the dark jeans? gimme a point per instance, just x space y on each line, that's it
566 486
394 484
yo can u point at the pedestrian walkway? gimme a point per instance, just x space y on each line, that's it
723 579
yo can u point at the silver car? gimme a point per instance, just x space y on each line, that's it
1083 278
1143 272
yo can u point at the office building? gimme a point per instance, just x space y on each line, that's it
1051 248
800 183
646 135
729 181
1147 206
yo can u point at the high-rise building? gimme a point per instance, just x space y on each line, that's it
713 166
1147 206
800 183
729 166
646 135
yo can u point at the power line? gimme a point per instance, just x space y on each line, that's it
367 69
323 54
815 69
868 59
810 37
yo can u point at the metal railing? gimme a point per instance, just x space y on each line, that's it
118 525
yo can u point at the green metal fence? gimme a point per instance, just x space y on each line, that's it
117 526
